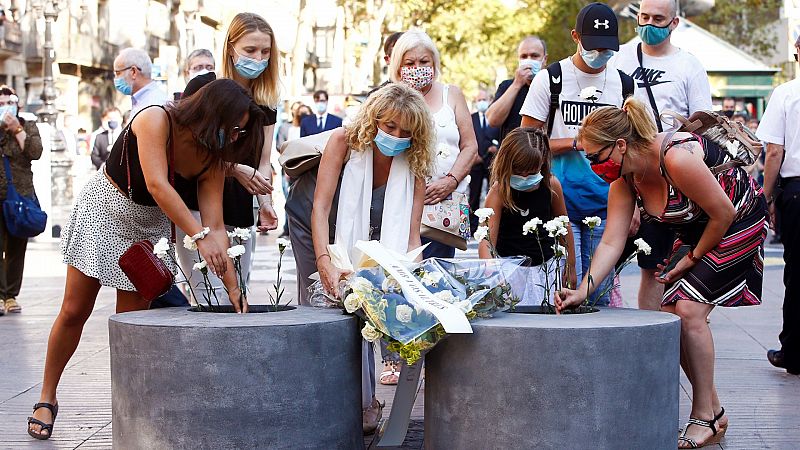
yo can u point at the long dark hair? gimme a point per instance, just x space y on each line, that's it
220 105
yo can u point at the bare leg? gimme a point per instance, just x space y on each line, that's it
698 347
130 301
723 422
650 291
80 293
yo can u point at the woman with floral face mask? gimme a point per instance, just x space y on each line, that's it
19 144
720 221
415 62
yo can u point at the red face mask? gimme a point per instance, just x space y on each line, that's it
609 171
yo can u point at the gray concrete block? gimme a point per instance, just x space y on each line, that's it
184 380
608 379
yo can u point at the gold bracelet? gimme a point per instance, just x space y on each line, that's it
19 130
316 262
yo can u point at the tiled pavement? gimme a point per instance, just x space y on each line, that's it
762 401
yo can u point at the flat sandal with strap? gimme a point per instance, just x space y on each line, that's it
715 438
45 426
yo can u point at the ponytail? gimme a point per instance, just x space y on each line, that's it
641 119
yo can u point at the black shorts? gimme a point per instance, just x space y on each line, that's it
660 238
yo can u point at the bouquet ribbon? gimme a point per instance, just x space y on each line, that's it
450 316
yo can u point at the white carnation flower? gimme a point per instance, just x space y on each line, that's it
484 213
446 296
352 302
200 267
369 333
161 249
481 233
563 219
443 151
242 233
531 225
403 313
642 246
283 244
592 222
560 251
188 243
555 228
236 251
589 93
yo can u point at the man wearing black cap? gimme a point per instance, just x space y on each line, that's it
559 98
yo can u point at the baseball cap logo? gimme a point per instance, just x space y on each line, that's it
597 24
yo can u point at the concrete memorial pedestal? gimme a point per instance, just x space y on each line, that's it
287 379
608 379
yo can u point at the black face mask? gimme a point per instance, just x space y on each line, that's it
728 114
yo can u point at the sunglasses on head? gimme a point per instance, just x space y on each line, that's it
594 158
237 132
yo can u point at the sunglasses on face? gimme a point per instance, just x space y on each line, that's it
594 158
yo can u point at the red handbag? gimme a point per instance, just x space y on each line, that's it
149 275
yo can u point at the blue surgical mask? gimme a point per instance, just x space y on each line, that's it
321 107
123 86
520 183
10 109
390 145
653 35
250 68
482 105
534 64
595 58
113 124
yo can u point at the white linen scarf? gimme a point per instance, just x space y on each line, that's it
355 199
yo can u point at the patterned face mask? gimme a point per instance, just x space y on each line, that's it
416 77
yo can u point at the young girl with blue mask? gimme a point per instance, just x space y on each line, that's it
522 189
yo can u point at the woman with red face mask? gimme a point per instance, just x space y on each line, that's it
720 221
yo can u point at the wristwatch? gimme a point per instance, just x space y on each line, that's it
19 130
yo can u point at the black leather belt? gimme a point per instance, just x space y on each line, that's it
788 180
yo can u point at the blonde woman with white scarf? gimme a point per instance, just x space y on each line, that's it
383 158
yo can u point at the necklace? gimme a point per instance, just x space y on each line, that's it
580 88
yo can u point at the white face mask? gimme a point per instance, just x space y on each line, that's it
534 64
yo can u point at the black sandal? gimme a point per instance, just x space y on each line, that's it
45 427
715 438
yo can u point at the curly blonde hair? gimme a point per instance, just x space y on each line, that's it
406 107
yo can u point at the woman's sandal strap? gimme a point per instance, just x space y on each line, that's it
689 441
703 423
45 426
719 416
53 408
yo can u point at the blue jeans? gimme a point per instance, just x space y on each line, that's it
437 250
586 242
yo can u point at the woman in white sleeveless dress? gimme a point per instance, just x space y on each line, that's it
415 61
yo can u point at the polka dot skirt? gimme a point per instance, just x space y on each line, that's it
103 225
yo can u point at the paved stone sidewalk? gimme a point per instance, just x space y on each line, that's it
761 400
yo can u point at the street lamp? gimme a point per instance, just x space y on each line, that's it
50 9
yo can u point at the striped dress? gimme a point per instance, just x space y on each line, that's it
731 274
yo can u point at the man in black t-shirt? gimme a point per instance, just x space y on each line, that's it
504 111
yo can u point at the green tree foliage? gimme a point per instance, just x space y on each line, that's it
747 24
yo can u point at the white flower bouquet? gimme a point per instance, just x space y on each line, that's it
411 321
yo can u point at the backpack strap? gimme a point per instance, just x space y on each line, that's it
662 155
554 75
627 85
646 79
